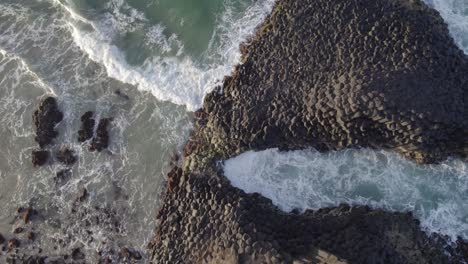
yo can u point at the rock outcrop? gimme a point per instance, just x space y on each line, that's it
45 119
40 157
98 141
327 74
338 74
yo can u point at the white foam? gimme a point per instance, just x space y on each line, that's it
437 194
178 79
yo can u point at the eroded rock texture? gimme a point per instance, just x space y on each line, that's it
337 74
45 119
328 74
206 220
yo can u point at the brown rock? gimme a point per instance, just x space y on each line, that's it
13 243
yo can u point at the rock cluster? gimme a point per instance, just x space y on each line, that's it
327 74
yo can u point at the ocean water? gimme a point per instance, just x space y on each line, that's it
165 55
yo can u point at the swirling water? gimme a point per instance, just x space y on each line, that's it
165 55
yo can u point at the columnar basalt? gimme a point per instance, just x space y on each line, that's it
338 74
329 75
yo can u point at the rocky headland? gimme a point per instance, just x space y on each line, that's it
327 74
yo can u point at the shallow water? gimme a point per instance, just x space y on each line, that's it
165 55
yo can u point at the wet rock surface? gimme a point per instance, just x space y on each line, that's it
87 127
45 119
40 157
101 140
338 74
329 75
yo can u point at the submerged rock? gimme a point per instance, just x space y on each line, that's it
66 156
45 119
18 230
2 239
40 157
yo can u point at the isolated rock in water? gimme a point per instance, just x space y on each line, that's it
2 239
13 243
31 236
66 156
101 139
87 127
40 157
336 74
18 230
45 118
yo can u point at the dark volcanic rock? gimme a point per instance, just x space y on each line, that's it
62 176
40 157
18 230
13 243
337 74
101 140
328 74
26 214
77 254
45 118
2 239
66 156
87 127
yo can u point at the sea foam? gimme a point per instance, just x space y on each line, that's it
179 79
308 179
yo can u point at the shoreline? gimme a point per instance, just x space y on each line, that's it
206 220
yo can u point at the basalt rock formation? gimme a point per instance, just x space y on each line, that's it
338 74
45 118
100 140
328 74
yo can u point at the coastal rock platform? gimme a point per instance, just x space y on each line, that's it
328 75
